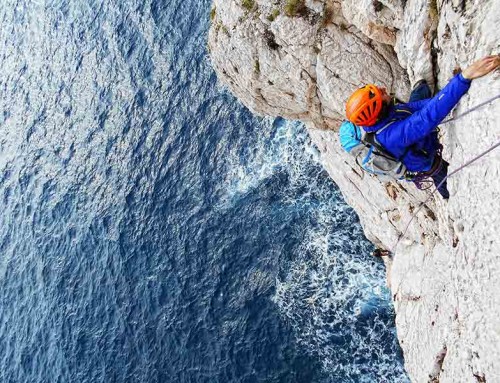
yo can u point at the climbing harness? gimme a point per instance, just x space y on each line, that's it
423 180
482 154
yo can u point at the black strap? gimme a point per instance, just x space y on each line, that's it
369 139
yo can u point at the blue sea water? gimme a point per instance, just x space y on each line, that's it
153 230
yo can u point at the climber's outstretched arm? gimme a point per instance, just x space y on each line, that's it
423 122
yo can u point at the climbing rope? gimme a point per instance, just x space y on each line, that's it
471 109
482 154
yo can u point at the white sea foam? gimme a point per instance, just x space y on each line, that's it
335 300
333 294
276 149
329 298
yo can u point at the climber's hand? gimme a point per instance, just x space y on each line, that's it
481 67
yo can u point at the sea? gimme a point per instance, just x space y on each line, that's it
153 229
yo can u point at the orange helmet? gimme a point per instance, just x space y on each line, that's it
364 105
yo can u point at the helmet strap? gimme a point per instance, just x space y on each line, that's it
384 111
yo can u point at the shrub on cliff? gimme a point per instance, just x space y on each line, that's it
273 15
248 4
295 8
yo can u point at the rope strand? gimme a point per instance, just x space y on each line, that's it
482 154
471 109
439 185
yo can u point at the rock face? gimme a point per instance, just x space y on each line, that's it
301 60
302 67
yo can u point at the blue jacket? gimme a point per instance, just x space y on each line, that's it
412 136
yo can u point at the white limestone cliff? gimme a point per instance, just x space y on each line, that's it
301 59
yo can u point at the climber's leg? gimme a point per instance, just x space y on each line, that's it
438 177
420 91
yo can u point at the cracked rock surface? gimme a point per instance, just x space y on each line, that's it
304 62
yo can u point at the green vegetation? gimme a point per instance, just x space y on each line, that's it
256 67
221 27
248 4
212 14
295 8
273 15
433 10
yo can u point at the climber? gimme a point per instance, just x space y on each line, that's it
409 131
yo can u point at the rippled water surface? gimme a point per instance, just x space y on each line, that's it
153 230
